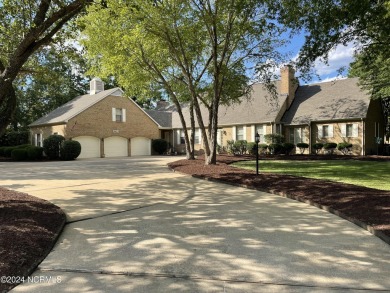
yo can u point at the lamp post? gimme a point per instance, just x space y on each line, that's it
257 140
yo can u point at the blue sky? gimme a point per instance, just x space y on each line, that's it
341 56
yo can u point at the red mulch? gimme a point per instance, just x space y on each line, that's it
366 207
28 230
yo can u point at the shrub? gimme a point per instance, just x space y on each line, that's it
275 148
34 153
19 154
344 147
230 147
13 138
8 151
251 148
70 150
2 151
274 138
263 148
52 146
302 146
317 147
330 147
240 147
160 146
288 147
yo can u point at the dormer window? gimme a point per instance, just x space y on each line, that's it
118 115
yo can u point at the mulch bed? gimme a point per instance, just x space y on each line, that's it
28 230
366 207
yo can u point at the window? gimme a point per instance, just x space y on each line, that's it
325 131
182 137
296 135
349 130
260 129
197 136
38 139
118 115
240 133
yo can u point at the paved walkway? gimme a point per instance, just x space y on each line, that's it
134 226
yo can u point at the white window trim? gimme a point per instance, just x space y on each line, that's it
234 133
40 144
321 131
123 118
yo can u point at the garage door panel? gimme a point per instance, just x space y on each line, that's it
116 146
140 146
90 146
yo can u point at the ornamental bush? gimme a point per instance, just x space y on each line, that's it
302 146
8 151
52 146
274 138
70 150
160 146
288 147
2 151
263 148
34 153
344 147
19 154
251 148
275 148
330 147
317 147
240 147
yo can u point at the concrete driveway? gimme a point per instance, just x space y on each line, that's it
135 226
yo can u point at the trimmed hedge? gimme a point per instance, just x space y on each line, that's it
275 148
34 153
288 147
302 146
344 147
70 150
19 154
251 148
318 146
263 148
160 146
52 146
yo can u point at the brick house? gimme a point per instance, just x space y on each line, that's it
336 111
106 123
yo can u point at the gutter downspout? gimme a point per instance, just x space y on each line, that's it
310 139
363 137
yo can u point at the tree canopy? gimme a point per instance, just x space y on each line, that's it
195 51
25 28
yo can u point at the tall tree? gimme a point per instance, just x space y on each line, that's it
25 27
195 50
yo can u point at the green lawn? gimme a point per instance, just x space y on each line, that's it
364 173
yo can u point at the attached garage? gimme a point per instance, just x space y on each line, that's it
90 146
140 146
116 146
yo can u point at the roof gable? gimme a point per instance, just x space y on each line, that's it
335 100
74 107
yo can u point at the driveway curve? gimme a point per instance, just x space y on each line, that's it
135 226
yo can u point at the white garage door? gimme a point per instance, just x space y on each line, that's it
90 146
115 146
140 146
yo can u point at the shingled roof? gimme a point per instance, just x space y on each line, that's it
336 100
75 107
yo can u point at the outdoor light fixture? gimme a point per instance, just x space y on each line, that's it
257 140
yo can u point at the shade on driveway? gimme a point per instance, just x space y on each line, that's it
134 226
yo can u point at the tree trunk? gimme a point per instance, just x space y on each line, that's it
191 155
7 104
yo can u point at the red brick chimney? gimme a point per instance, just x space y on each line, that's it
288 83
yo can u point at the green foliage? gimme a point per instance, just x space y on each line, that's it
274 138
251 148
160 146
34 153
330 147
275 148
288 147
2 151
70 150
14 138
52 146
19 154
8 151
230 147
318 147
344 147
263 148
240 147
302 146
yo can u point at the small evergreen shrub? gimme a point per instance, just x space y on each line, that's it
288 147
274 138
19 154
275 148
2 151
251 148
330 147
302 146
160 146
52 146
344 147
240 147
230 147
8 151
263 148
318 147
34 153
70 150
